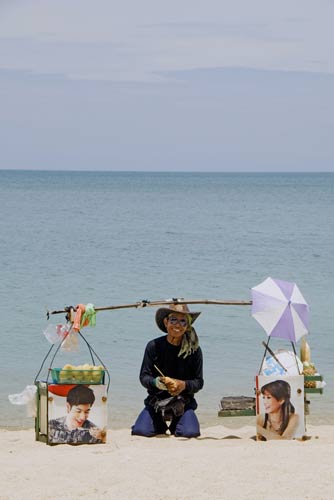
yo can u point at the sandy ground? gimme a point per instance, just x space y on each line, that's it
221 464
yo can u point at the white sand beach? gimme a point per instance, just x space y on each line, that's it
223 463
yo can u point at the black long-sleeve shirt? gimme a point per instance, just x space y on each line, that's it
164 355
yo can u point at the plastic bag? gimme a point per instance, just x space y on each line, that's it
289 364
56 333
70 342
26 397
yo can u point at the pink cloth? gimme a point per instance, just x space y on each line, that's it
79 310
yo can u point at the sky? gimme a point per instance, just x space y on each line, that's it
181 85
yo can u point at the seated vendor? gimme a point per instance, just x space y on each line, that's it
172 366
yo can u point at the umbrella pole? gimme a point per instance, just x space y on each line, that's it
294 350
274 356
266 345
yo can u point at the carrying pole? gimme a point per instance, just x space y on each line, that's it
148 303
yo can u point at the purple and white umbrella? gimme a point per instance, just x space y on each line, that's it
280 309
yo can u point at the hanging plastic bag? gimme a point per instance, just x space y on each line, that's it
56 333
26 397
70 342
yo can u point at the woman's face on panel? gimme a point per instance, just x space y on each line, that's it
271 404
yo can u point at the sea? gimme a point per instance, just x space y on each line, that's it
124 238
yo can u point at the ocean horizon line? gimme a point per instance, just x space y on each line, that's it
205 172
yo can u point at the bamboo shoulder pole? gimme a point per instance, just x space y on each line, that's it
148 303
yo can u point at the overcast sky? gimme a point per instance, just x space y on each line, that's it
180 85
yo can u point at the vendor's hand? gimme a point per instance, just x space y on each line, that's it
174 386
159 384
168 382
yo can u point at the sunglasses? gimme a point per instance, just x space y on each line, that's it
175 321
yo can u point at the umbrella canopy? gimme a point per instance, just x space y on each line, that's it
280 309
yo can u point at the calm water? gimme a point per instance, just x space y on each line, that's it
117 238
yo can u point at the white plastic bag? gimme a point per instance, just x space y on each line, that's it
56 333
70 342
289 364
26 397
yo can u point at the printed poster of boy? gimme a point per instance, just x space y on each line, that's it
279 407
77 414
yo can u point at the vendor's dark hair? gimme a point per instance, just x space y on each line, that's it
80 395
280 389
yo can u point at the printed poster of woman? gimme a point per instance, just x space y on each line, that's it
279 407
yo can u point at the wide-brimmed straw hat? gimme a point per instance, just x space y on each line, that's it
163 312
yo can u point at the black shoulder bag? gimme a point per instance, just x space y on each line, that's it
170 407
